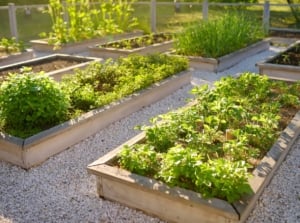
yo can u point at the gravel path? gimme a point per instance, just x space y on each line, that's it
60 190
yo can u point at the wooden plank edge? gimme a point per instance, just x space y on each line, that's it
264 173
221 207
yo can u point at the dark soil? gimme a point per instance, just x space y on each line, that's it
285 34
288 57
46 66
139 42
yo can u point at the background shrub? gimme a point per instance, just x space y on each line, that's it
31 102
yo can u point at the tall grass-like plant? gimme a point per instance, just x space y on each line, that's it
76 20
218 37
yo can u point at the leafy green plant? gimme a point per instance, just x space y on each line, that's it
144 161
101 84
223 178
218 37
31 102
209 146
74 20
10 45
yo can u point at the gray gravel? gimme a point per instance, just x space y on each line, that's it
60 190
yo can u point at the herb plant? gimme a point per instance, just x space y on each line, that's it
209 146
31 102
218 37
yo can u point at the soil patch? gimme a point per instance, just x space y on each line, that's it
139 42
288 57
46 66
285 34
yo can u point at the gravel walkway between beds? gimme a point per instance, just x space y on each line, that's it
60 190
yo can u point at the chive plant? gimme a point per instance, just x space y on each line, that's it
218 37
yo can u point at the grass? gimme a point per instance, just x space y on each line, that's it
29 26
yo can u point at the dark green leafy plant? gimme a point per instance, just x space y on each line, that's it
31 102
218 37
210 146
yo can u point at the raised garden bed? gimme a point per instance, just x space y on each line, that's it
283 66
34 150
152 43
227 61
55 65
42 45
16 57
175 204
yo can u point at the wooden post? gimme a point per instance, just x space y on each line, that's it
153 15
266 16
12 20
177 6
205 10
66 15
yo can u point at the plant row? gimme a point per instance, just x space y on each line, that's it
141 41
227 34
31 102
212 145
218 37
212 38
